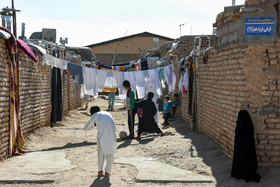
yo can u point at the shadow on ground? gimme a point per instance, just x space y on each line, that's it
101 182
69 145
211 155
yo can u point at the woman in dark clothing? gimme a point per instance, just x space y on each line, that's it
147 123
245 163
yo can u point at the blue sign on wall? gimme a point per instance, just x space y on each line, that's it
259 26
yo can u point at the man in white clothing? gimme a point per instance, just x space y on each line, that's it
106 138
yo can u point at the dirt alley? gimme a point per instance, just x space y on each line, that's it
186 150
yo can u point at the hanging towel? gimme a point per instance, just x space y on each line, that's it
186 81
90 81
119 78
170 77
77 73
140 84
101 78
161 75
130 76
156 82
180 85
110 81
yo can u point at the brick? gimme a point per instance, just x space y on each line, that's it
272 87
272 120
270 125
261 137
276 148
274 159
266 93
271 137
273 153
264 159
268 147
274 142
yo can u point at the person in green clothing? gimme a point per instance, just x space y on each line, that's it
131 111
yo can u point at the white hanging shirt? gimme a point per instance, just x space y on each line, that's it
180 85
170 77
110 81
154 76
101 78
106 135
140 84
186 80
90 81
130 76
119 78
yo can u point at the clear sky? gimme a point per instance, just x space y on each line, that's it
86 22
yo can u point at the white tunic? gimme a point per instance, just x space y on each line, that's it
106 135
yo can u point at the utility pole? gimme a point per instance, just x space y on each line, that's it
14 19
181 27
11 12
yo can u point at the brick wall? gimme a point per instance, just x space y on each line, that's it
240 77
4 100
127 46
35 96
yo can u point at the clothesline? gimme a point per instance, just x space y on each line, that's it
94 80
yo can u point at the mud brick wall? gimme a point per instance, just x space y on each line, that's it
74 94
240 77
221 93
65 82
35 95
4 100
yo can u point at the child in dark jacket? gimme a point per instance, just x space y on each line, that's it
174 104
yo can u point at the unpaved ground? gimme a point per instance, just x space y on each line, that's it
186 150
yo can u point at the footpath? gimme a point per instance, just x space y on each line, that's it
66 155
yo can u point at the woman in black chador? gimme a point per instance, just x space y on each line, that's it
148 123
245 163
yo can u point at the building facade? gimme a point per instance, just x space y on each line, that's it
127 48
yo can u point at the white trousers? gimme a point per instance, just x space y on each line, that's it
109 158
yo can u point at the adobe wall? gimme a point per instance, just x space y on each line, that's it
240 77
35 96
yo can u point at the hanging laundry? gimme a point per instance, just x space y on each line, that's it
110 81
101 78
56 95
186 81
161 75
130 76
152 62
90 82
144 64
149 86
119 78
55 62
16 140
180 85
140 84
155 79
77 72
170 77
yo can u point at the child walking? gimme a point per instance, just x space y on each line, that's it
166 110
